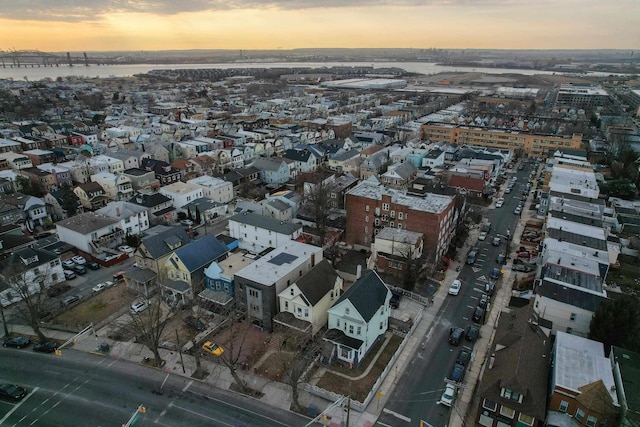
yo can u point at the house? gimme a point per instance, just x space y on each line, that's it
256 233
44 180
28 271
219 278
90 232
57 203
393 249
163 170
277 209
116 187
513 389
16 161
37 214
399 175
184 268
91 195
272 171
303 159
339 188
582 384
157 244
61 174
159 206
259 284
358 319
182 193
434 159
305 303
142 179
134 219
215 189
12 208
626 368
208 209
337 161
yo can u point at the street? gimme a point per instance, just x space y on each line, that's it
79 389
423 381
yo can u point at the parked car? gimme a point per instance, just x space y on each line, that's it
69 274
464 356
70 300
489 288
454 289
119 276
457 373
99 287
58 290
495 273
396 296
517 210
45 347
67 263
93 265
524 254
495 241
484 301
109 283
79 260
478 315
79 269
500 202
16 342
522 268
501 258
126 249
508 190
12 392
448 395
456 335
212 348
472 333
471 257
139 307
482 236
186 223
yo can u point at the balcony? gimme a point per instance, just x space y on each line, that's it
117 234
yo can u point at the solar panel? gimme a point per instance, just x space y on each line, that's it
283 258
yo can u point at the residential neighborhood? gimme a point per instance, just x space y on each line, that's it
406 249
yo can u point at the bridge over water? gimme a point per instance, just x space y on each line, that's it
36 58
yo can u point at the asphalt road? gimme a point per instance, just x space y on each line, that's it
80 389
423 381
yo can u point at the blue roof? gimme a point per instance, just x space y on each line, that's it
201 252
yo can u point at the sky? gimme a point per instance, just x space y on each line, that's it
103 25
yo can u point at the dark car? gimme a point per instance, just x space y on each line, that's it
93 265
464 356
471 258
522 268
457 373
489 288
484 301
495 273
79 269
501 258
57 290
17 342
12 392
45 347
395 299
194 324
478 315
456 335
472 333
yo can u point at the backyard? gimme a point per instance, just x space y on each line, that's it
96 308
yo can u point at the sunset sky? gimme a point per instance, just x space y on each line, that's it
93 25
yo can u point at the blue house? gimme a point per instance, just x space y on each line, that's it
272 171
219 275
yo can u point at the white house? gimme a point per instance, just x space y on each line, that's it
358 319
116 187
256 233
90 231
215 189
134 219
182 193
28 271
308 299
115 165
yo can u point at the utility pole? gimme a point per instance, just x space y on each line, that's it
180 352
348 410
4 322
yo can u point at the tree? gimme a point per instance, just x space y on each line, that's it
318 204
68 200
295 372
27 284
617 322
148 326
29 187
198 216
189 214
411 268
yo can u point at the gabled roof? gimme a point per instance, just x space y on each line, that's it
14 264
91 187
266 223
317 282
200 253
166 241
149 200
262 163
366 294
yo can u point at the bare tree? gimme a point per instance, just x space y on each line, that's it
148 326
296 372
318 204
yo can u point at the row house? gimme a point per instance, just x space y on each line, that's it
399 175
273 171
393 249
215 189
91 195
30 143
117 187
182 193
87 138
10 146
142 179
371 207
39 157
256 233
54 140
338 190
79 170
62 175
304 161
163 170
130 158
219 279
159 206
16 161
114 164
43 179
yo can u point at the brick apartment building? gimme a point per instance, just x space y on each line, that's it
371 207
530 144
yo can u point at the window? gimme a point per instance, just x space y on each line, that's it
286 305
366 208
299 311
306 312
366 218
573 316
591 421
359 330
507 412
291 290
366 229
580 415
487 404
385 206
393 214
391 224
380 325
400 216
569 330
351 329
563 406
399 226
337 323
525 419
346 310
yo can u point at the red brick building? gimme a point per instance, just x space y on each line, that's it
370 207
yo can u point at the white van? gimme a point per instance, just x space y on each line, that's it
139 307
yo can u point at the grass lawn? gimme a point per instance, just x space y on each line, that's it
359 389
96 308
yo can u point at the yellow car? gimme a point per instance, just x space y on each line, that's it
212 348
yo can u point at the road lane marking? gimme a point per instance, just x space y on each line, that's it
185 387
17 406
165 380
202 415
397 415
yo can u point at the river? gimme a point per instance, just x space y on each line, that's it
39 73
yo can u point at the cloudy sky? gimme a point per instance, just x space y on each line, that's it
89 25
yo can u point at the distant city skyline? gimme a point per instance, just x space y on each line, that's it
78 25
